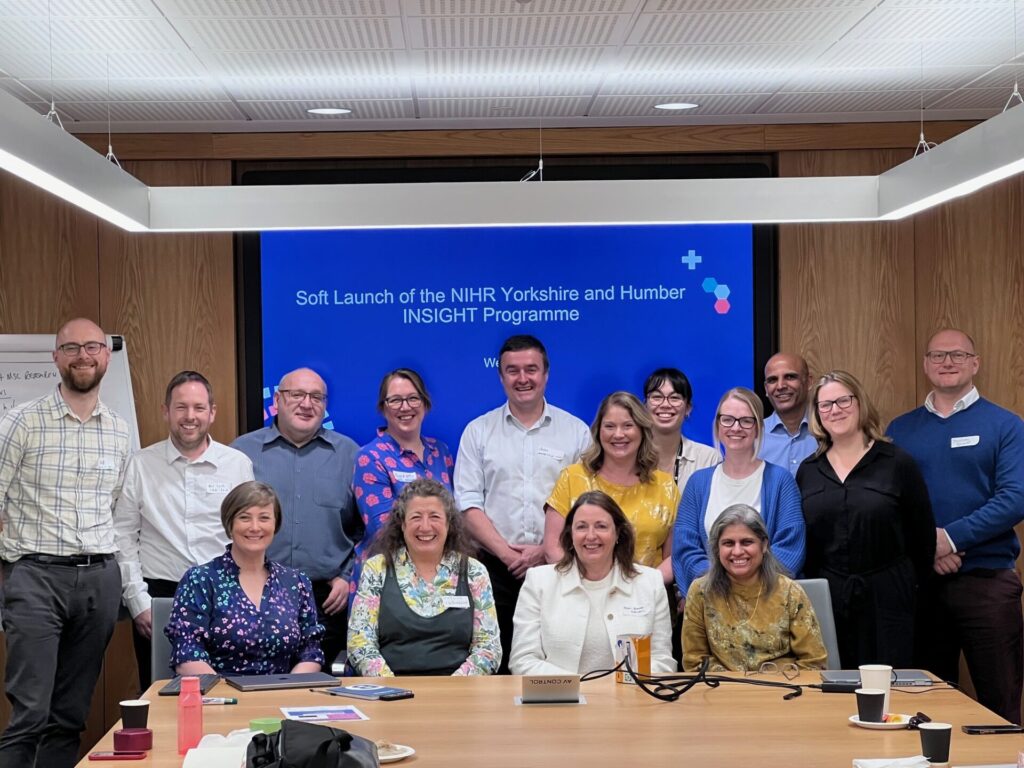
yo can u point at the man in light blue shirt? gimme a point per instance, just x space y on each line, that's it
787 438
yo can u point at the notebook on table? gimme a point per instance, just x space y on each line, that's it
173 688
275 682
905 678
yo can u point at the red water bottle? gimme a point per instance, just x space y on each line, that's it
190 714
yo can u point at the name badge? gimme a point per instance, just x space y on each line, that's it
104 464
404 477
963 442
455 601
635 610
217 488
551 453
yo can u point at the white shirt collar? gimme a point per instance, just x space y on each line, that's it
963 403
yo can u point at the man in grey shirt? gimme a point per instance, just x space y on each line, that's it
310 468
508 462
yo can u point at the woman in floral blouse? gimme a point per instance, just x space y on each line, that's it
423 606
241 613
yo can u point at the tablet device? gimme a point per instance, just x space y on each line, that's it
275 682
371 691
173 687
905 678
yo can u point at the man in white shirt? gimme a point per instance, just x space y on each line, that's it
167 518
508 462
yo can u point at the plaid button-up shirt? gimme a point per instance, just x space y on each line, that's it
59 478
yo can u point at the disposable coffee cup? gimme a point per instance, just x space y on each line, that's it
870 703
935 741
134 713
877 676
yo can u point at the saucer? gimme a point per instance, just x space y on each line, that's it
398 752
896 722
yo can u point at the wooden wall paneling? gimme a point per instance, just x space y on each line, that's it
844 288
970 275
173 297
48 260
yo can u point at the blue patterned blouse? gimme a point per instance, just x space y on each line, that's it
213 620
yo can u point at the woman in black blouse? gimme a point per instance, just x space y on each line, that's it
870 530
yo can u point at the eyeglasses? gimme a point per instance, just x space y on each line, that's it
396 402
789 671
657 398
71 349
296 396
938 356
843 403
917 719
745 422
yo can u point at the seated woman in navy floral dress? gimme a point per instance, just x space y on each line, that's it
241 613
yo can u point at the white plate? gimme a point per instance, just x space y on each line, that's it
403 753
902 722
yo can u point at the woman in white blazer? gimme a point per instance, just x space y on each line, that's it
570 613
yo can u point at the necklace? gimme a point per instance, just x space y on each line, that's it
756 603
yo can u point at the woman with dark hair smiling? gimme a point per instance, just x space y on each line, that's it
623 463
569 614
669 399
424 606
398 455
745 611
241 613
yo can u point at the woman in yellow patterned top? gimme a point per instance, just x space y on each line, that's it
623 462
744 612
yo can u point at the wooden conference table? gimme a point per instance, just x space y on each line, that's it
474 722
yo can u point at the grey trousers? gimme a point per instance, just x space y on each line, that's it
58 620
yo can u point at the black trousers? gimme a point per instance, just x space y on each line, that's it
977 612
506 593
58 620
143 645
336 638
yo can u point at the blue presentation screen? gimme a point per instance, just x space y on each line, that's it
611 304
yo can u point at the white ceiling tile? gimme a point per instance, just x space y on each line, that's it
311 88
88 34
309 34
845 102
235 9
492 108
316 64
881 54
518 31
697 81
918 24
140 89
469 87
296 110
122 65
508 7
975 98
106 9
511 61
756 27
147 111
881 79
1000 77
680 58
682 6
708 104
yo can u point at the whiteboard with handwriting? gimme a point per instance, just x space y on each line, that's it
27 371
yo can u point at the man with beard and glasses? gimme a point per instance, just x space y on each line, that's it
62 463
787 437
168 516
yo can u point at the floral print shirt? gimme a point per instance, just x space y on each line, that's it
382 470
213 620
426 599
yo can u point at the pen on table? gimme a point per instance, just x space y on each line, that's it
218 700
320 690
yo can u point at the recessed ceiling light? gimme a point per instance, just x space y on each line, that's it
329 111
676 105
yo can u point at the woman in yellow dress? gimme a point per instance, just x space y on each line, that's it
622 461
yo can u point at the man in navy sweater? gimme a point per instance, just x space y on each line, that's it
971 453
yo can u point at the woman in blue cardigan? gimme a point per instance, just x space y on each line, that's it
741 478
